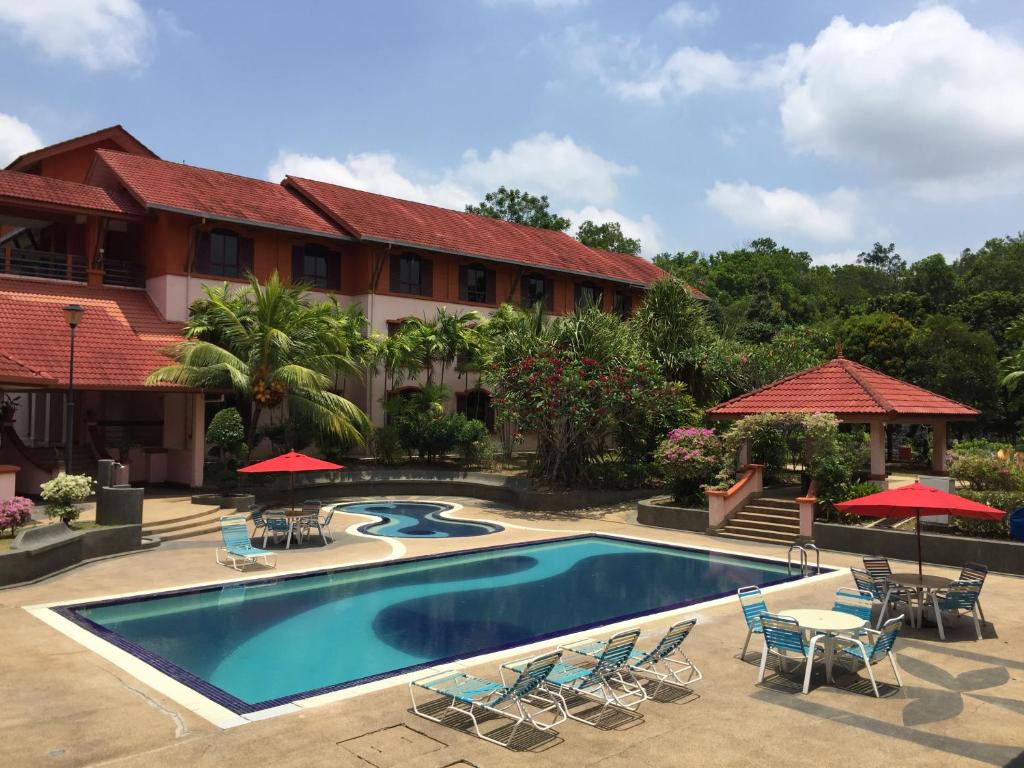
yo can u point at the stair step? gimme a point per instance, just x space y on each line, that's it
189 533
757 522
752 537
176 523
770 533
775 511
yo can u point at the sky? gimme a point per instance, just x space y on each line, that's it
827 126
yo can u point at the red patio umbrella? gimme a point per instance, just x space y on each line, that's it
291 462
912 500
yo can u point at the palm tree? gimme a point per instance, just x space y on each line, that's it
274 348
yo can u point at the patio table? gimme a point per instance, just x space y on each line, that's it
921 585
828 623
294 520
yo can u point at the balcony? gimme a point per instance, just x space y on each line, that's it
56 266
123 273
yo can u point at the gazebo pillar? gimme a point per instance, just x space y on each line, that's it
878 450
939 448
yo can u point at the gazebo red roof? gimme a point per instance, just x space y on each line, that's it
847 389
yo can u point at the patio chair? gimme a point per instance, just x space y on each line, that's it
782 636
856 602
870 648
880 586
959 597
321 524
258 523
276 526
753 606
610 681
523 701
975 572
663 662
238 549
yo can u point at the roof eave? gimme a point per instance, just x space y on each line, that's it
247 222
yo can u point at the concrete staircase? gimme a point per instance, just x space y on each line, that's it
206 520
773 518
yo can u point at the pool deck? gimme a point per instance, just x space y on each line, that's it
962 704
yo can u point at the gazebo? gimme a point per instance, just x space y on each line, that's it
856 394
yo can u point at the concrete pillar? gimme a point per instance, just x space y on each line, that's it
939 448
198 437
744 457
878 450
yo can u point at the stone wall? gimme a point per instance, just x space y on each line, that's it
661 513
45 549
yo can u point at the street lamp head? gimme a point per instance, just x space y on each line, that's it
73 314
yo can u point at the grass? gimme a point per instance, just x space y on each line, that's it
7 538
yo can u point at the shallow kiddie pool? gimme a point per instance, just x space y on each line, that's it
415 520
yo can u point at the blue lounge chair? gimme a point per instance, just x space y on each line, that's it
870 648
663 662
782 636
959 597
610 681
523 701
753 606
238 549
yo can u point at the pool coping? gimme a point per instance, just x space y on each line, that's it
450 507
221 709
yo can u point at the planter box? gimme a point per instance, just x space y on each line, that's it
46 549
942 549
662 513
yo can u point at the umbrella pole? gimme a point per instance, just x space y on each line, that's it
291 501
920 568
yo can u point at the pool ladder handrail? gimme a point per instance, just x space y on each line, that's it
803 549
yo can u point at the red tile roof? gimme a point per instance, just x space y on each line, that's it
13 372
27 187
163 185
116 134
370 216
117 344
847 389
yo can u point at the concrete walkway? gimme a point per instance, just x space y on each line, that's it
962 704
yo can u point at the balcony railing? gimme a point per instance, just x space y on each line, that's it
123 273
58 266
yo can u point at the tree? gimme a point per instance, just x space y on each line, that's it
949 358
934 280
883 258
996 266
275 349
879 340
520 207
990 311
607 237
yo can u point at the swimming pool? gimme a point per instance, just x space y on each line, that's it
415 520
257 644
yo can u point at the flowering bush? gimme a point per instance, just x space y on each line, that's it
985 466
690 458
63 493
15 513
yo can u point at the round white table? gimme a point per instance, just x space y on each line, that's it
921 586
827 623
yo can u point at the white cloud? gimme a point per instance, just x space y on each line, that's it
541 4
770 211
837 258
929 100
542 164
683 14
644 229
98 34
372 172
16 138
686 72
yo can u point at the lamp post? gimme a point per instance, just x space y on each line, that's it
73 315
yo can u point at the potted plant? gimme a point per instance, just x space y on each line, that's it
64 493
8 407
906 451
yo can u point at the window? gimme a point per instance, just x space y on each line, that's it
411 274
476 284
476 404
316 265
225 253
589 295
395 325
537 289
623 304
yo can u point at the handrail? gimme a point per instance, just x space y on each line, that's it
32 263
11 437
804 561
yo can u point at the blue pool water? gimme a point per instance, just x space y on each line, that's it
262 643
415 520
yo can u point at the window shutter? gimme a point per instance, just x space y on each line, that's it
549 294
333 271
298 262
463 283
245 255
426 277
491 286
202 252
396 271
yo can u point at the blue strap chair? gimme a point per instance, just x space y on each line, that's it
610 681
782 636
753 606
276 526
524 701
959 597
259 523
880 587
871 647
856 602
975 572
237 547
663 662
322 525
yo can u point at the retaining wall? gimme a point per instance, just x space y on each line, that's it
45 549
659 513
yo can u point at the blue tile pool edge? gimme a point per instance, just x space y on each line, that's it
363 530
239 707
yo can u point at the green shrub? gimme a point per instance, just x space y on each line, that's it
63 493
387 448
226 435
690 458
474 444
990 529
432 436
611 472
853 489
983 470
